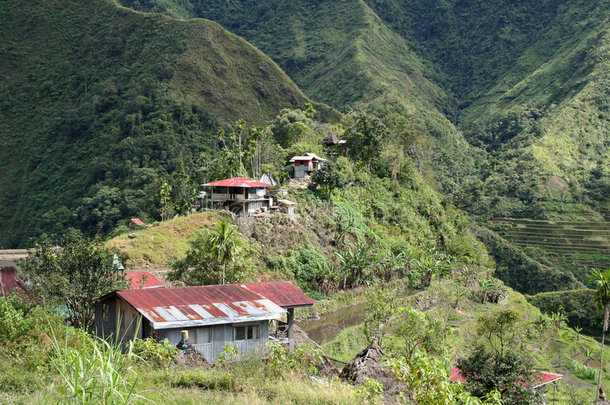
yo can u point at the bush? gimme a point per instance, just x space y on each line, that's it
159 354
582 371
13 322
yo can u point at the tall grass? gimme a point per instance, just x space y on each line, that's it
95 372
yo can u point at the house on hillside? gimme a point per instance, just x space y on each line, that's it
240 195
213 315
135 224
333 145
300 166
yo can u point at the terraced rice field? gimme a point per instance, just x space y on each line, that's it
569 243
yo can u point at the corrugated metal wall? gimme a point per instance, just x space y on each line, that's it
221 334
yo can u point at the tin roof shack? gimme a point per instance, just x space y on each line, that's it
288 296
213 315
240 195
305 165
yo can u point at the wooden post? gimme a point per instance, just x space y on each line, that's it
290 319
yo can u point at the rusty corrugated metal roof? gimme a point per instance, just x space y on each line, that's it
283 293
238 182
202 305
143 279
10 282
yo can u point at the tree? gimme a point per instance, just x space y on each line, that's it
214 257
381 306
71 276
420 331
365 135
327 178
498 361
601 300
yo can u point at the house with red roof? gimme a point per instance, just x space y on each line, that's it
212 315
240 195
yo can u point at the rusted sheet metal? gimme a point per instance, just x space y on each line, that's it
238 182
203 305
143 279
10 282
283 293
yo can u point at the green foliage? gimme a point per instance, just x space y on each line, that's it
302 359
578 305
381 307
420 331
306 264
104 106
327 178
520 271
370 392
13 322
215 256
156 354
507 372
582 371
71 276
428 379
228 356
365 135
96 372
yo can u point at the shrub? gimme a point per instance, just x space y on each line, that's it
13 322
582 371
157 354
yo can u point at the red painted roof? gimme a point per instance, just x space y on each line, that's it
283 293
138 221
544 377
174 307
238 182
539 378
10 282
143 279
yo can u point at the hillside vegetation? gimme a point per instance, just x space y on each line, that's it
98 102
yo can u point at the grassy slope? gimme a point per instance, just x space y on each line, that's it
95 94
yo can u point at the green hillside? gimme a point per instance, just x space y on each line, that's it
525 83
98 102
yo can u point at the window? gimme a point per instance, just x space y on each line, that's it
204 335
248 332
199 336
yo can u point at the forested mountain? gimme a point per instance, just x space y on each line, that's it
525 83
97 102
502 107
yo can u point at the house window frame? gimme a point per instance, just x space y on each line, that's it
255 335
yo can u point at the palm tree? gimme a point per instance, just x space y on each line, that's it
601 299
224 243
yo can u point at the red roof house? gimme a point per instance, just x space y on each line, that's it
240 195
